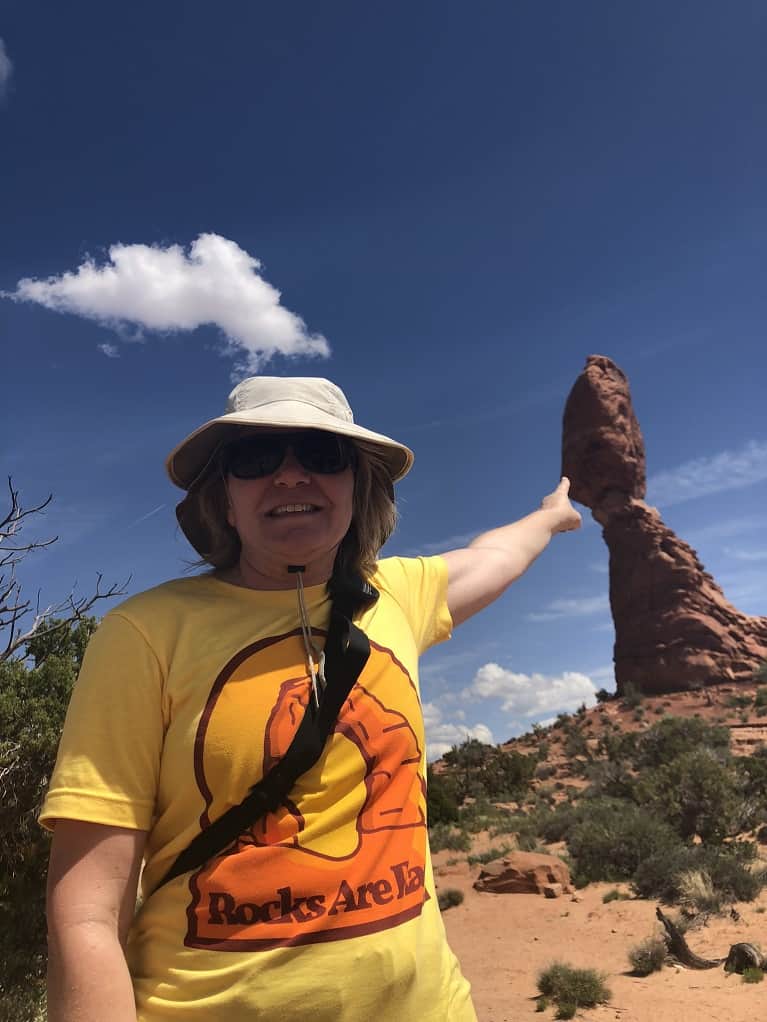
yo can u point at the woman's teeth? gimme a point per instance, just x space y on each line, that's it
289 509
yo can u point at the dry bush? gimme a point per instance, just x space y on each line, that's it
649 956
696 891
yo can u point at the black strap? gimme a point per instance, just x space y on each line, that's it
347 649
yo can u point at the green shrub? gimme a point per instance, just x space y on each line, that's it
618 747
610 778
612 838
696 793
738 702
33 699
760 698
658 876
603 696
649 956
26 1004
481 814
485 771
672 737
441 798
449 898
576 745
481 858
555 824
444 836
572 988
614 895
753 975
631 696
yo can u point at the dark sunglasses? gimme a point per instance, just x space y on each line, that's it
260 454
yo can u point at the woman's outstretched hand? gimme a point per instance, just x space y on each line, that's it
566 518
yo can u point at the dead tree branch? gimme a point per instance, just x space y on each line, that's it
15 607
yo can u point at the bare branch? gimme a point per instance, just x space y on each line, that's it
13 606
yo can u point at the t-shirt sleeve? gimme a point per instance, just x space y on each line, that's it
419 584
108 764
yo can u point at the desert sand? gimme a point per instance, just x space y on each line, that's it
504 941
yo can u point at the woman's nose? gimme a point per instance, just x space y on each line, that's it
291 472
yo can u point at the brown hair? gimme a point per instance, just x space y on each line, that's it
374 516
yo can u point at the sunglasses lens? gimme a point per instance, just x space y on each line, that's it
256 456
323 453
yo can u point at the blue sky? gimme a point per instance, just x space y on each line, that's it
457 204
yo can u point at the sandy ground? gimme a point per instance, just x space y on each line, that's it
504 941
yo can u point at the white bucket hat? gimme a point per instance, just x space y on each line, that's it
264 402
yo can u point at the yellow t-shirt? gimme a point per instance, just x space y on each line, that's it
324 909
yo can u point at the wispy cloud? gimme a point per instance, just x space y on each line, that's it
728 470
442 735
746 555
726 529
553 391
529 696
441 546
600 567
110 350
6 69
578 607
167 290
143 518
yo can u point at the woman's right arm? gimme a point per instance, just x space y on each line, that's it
92 882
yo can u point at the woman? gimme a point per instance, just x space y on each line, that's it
323 907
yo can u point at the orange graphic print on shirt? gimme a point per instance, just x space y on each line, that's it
345 853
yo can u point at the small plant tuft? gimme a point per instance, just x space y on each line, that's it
753 975
649 956
572 988
449 898
615 895
696 891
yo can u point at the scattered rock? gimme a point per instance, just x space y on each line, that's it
553 890
674 628
525 873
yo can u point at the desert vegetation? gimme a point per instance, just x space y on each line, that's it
668 809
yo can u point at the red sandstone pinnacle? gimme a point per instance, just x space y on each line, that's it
674 628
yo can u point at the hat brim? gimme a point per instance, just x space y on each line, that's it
189 459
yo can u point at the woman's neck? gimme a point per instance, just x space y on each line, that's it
252 575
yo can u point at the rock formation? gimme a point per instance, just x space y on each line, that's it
525 873
674 628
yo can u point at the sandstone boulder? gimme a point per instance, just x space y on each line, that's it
525 873
674 627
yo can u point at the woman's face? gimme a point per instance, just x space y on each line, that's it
291 516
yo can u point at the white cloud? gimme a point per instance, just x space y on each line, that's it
578 607
728 470
110 350
442 735
166 290
6 68
600 567
528 696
